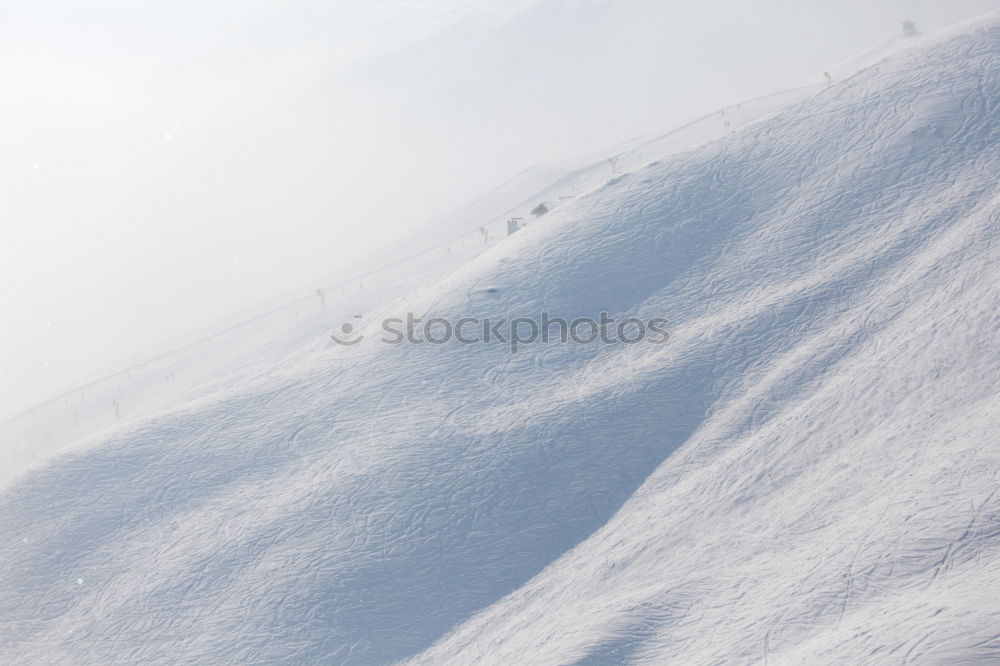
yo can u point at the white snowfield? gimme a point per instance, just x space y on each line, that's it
807 472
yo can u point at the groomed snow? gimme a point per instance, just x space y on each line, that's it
807 471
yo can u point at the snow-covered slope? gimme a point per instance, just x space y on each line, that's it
221 356
805 473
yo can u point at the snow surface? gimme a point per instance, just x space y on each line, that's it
806 473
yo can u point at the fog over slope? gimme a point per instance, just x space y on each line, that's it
805 472
167 163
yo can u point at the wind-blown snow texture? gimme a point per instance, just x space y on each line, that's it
806 473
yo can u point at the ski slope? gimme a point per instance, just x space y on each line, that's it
807 471
209 360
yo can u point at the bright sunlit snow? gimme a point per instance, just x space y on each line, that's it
805 472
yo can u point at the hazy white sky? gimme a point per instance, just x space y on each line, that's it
167 162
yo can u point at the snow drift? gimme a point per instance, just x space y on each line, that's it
805 473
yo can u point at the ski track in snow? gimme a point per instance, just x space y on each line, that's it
807 472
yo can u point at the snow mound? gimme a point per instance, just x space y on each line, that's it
806 472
